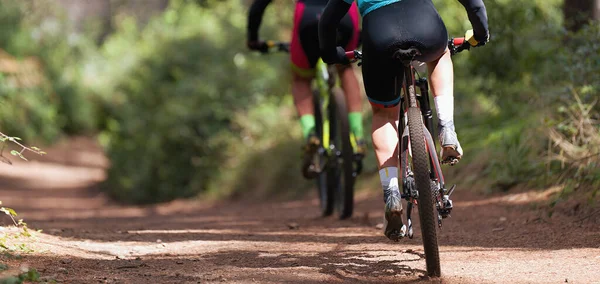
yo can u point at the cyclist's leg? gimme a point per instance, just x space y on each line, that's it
379 73
304 56
302 75
349 35
442 85
302 93
441 78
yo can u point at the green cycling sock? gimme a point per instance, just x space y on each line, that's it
307 123
356 124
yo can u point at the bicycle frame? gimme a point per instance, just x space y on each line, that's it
421 100
324 81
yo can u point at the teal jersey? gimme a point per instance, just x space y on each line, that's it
366 6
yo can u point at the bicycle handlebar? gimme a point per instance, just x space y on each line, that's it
353 55
458 44
280 46
455 45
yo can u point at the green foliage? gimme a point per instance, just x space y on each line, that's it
10 14
163 96
7 239
502 88
27 97
185 77
513 162
574 117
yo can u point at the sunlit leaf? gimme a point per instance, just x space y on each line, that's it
8 211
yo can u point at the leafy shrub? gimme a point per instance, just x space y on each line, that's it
27 103
184 79
574 119
501 88
36 33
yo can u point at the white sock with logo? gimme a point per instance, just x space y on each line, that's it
388 177
444 106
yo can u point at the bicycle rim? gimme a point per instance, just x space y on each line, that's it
426 207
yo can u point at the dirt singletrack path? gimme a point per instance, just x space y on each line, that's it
87 238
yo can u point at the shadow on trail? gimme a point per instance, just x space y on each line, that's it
233 266
345 266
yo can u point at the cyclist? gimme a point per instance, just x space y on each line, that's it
389 25
304 51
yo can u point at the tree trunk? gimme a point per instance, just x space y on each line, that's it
578 13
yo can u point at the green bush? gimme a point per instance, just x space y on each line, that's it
573 128
185 77
501 88
27 103
58 104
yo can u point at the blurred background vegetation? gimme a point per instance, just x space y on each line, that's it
182 108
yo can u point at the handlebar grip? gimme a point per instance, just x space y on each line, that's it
458 41
350 55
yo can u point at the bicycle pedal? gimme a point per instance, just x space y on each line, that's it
450 161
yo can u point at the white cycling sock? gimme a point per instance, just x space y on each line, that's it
389 177
444 106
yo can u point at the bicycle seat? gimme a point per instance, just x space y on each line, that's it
406 54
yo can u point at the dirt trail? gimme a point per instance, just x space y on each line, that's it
88 239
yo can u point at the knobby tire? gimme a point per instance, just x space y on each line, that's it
324 191
344 197
426 206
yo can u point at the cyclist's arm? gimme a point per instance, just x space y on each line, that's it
328 24
478 18
255 15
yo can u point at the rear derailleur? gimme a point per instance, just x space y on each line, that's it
443 203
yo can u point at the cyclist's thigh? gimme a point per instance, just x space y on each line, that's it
379 73
348 30
306 34
301 65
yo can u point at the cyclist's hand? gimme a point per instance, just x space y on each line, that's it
476 40
335 56
258 46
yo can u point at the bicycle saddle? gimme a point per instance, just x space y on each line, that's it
406 54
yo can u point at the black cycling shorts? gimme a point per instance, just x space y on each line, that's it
401 25
304 50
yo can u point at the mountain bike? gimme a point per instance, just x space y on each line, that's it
423 183
334 166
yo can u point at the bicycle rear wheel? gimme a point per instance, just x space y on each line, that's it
324 191
343 178
426 206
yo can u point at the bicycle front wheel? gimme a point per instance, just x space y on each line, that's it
343 179
324 190
426 206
